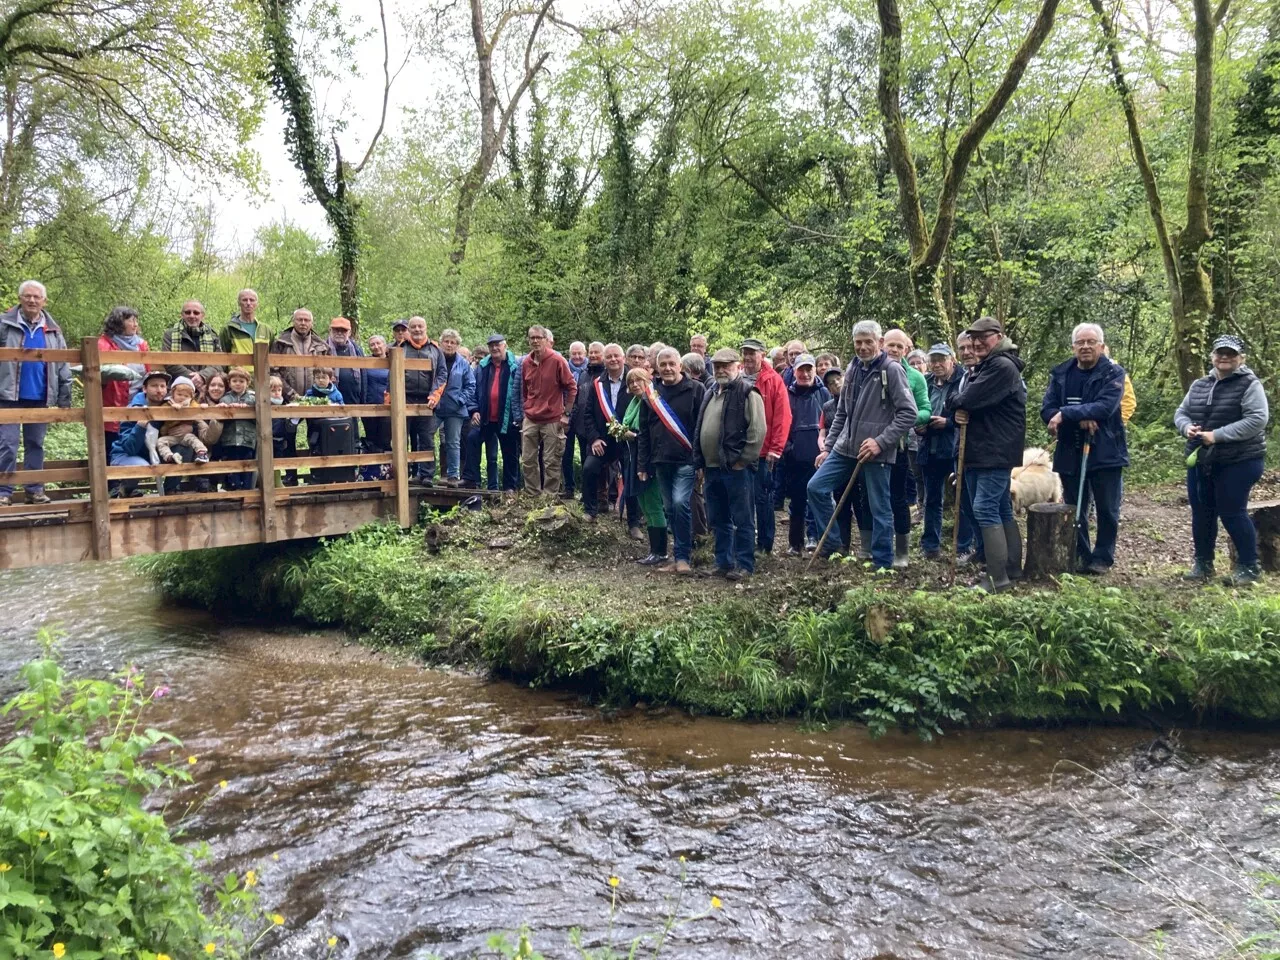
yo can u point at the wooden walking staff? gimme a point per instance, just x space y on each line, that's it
955 527
848 489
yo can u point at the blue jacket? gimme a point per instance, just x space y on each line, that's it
806 418
1100 401
510 403
941 444
459 397
351 382
377 384
131 441
333 393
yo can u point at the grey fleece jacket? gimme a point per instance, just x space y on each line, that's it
1253 404
876 402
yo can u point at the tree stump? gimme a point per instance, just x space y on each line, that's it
1051 540
1266 520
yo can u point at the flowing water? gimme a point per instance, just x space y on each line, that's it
414 811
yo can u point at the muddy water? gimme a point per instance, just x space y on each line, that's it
414 811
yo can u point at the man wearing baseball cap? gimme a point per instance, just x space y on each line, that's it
726 445
777 414
937 453
399 333
1224 418
993 403
351 383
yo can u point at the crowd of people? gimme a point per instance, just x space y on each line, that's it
677 443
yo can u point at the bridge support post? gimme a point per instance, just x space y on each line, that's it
266 458
399 439
99 496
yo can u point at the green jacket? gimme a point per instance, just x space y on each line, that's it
919 390
235 338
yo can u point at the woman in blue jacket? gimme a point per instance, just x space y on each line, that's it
457 403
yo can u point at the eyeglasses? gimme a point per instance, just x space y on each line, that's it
1084 343
192 313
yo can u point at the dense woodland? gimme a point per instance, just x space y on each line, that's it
640 171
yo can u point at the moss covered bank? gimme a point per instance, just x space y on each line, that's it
568 608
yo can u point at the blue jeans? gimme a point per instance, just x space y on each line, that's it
675 480
32 444
829 482
1104 487
766 522
1223 494
731 510
992 506
452 446
470 456
936 473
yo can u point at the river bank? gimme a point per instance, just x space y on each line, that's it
549 601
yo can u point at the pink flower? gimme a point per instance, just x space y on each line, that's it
160 691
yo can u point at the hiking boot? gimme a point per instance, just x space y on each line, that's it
932 554
900 560
792 552
1200 571
1013 537
737 576
721 572
864 544
810 543
683 568
453 482
40 497
1244 575
652 560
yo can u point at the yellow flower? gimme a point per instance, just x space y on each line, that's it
5 868
163 956
715 903
42 834
222 784
333 942
277 919
614 881
191 760
210 948
275 856
60 950
251 878
682 858
106 872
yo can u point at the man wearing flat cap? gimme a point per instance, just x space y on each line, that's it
993 403
937 453
728 439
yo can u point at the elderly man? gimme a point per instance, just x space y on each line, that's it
244 329
874 411
993 402
603 400
898 345
191 335
501 414
698 345
1082 404
351 382
399 333
548 392
970 545
806 397
423 387
29 384
937 452
299 339
727 441
777 414
577 358
791 350
665 450
590 368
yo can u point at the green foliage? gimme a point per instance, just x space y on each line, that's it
86 870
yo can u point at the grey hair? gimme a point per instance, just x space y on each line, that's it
576 343
870 327
1087 326
450 332
693 365
32 283
917 352
610 346
673 352
593 343
540 329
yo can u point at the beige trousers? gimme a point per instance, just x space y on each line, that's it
550 437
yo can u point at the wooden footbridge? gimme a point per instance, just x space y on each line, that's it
84 523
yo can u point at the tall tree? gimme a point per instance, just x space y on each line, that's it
1182 251
328 175
929 246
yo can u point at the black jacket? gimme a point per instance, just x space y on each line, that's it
1100 402
655 442
592 424
589 373
733 428
940 444
996 399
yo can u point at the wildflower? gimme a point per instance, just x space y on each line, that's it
276 919
715 903
192 760
60 950
251 878
5 868
275 856
210 948
160 692
614 881
42 834
163 956
222 784
333 942
682 858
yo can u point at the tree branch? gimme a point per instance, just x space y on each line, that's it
386 87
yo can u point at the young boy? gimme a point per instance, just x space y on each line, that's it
239 437
322 385
177 433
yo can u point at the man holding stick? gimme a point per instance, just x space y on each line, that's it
875 410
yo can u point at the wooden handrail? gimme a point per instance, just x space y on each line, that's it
40 355
192 358
301 411
59 475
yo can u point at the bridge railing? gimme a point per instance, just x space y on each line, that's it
97 470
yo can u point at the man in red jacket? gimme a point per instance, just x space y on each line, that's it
777 417
548 390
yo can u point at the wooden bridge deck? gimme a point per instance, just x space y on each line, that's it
84 523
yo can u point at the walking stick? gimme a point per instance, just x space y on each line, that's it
1084 464
848 489
955 527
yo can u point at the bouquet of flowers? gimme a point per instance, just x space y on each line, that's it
617 430
312 401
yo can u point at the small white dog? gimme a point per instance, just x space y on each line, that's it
1034 481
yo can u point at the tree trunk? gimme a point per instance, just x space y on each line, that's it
1051 540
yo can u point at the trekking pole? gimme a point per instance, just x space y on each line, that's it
955 527
848 489
1084 463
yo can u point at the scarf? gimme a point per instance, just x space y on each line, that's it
416 344
132 343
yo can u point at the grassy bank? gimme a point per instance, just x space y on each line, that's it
836 644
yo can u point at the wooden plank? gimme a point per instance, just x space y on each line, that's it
329 360
209 469
383 486
183 358
31 356
399 439
266 458
245 497
42 415
421 456
74 508
197 411
345 460
97 446
24 477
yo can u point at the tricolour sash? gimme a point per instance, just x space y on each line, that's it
667 417
604 400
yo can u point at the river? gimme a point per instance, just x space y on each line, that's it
414 811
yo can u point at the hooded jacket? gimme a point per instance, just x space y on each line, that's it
874 403
510 407
777 409
806 420
459 397
655 442
940 444
996 400
1099 401
57 378
351 382
236 339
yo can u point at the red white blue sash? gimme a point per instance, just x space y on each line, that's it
667 417
604 400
